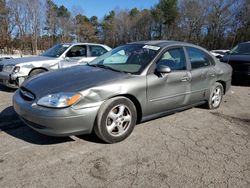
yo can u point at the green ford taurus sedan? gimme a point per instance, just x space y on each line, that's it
130 84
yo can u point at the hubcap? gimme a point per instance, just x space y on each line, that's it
216 98
118 120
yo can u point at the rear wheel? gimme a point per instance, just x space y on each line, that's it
116 120
216 95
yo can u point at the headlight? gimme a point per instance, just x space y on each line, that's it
16 69
59 100
8 68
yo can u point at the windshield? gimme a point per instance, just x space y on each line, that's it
241 49
131 58
56 50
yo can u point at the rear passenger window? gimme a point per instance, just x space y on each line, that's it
96 51
174 58
198 58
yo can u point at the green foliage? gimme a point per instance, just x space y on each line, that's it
63 12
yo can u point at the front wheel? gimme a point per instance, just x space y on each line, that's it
116 120
216 95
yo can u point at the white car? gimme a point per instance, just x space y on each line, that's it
14 71
219 53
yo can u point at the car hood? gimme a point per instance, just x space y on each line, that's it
75 79
25 60
239 58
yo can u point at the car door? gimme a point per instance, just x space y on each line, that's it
203 73
74 56
171 90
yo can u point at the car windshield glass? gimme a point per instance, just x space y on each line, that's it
241 49
56 50
131 58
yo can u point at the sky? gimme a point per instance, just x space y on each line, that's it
101 7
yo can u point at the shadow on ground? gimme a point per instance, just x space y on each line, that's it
6 89
9 119
27 134
12 125
8 114
91 138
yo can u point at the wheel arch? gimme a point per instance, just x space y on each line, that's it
38 68
136 102
223 83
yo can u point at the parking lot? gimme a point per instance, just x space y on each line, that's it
193 148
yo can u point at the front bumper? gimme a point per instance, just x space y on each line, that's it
55 122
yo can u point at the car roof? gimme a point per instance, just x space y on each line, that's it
162 43
83 43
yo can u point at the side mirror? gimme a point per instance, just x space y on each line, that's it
66 58
163 68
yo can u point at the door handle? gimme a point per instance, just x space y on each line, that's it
212 75
185 79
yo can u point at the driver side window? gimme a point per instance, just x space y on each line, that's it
77 51
174 59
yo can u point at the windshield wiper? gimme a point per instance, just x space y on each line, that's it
105 67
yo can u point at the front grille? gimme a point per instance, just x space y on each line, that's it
1 68
26 94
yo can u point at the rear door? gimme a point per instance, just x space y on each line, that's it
169 91
203 73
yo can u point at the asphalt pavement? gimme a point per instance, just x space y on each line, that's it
193 148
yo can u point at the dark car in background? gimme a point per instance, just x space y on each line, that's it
130 84
239 59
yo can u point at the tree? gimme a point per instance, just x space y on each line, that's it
108 30
64 24
34 13
192 20
51 21
243 19
4 22
164 14
85 30
218 20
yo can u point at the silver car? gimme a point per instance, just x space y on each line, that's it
130 84
14 71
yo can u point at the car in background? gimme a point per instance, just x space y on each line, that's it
130 84
239 59
13 72
3 58
219 53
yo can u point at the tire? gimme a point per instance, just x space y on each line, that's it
36 72
115 120
216 96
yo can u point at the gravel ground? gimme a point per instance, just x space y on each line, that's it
193 148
